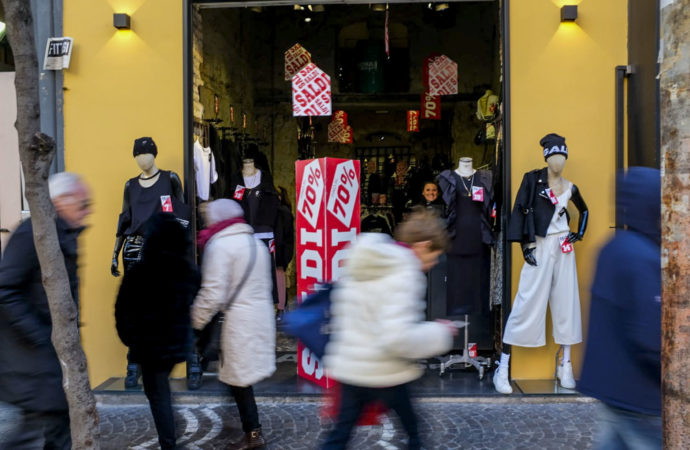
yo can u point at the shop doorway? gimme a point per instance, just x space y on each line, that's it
238 97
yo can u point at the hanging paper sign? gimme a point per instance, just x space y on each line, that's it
441 75
338 130
296 58
431 107
413 120
348 138
311 92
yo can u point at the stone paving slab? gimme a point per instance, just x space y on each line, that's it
299 425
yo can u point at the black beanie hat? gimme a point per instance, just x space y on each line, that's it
553 144
145 145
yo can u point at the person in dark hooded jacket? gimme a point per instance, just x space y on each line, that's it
622 365
152 314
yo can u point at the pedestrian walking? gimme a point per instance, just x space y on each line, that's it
236 267
622 364
377 323
30 373
152 314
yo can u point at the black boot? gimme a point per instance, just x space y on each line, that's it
133 374
253 439
194 372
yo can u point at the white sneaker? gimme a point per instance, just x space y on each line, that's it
501 382
564 373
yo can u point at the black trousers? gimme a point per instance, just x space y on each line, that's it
157 390
47 430
353 399
246 404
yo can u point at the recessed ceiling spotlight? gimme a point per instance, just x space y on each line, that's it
378 7
429 5
298 7
307 19
441 6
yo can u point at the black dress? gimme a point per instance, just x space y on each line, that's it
469 257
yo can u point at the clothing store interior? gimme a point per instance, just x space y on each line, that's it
414 149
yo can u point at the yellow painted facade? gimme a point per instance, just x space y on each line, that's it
562 80
126 84
120 85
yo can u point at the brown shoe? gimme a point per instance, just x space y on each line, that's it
253 439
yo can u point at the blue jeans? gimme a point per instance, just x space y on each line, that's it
622 429
353 399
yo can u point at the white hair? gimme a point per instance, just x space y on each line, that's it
222 209
63 183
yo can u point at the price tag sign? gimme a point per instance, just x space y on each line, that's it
166 204
344 191
552 196
431 107
477 193
239 193
311 192
566 247
413 121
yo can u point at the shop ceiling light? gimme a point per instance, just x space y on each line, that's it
379 7
441 6
121 21
307 19
569 13
298 7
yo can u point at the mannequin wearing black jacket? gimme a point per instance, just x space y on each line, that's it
540 222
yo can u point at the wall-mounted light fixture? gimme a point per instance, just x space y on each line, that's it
568 13
121 21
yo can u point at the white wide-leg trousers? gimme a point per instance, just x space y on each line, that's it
552 282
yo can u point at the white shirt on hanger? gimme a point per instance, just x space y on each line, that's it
205 169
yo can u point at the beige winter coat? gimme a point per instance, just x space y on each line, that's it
378 327
249 334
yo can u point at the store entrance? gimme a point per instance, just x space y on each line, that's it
240 103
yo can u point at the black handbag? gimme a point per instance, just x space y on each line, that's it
209 338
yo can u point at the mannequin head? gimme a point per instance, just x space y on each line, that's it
556 163
430 191
145 161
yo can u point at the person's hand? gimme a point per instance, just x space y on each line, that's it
113 268
448 324
574 237
528 254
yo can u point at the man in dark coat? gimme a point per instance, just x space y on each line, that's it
30 373
622 365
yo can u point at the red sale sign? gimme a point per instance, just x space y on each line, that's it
327 222
441 75
295 59
431 107
338 129
412 121
311 92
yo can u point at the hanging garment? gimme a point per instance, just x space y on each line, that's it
552 282
204 169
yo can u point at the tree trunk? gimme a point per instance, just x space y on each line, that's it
675 157
36 152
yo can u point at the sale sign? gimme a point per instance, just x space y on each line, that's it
431 107
311 92
296 57
338 129
441 75
327 222
412 120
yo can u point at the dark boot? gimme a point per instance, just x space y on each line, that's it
194 372
133 374
253 439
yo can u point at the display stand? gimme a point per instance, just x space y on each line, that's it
480 363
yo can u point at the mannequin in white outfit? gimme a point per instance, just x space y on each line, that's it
549 277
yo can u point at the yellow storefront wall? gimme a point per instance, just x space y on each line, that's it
562 81
126 84
120 85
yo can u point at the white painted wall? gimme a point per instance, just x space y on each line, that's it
10 168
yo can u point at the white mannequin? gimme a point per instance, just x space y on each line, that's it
251 175
149 171
465 168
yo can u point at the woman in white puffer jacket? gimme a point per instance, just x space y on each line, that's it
378 327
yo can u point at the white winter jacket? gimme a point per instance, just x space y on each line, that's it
249 335
377 317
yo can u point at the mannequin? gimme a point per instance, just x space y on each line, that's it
152 191
468 194
398 190
253 188
540 222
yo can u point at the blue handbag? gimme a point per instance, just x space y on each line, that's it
310 321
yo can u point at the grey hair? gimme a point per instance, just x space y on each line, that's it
63 183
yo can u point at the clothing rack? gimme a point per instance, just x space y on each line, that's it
480 363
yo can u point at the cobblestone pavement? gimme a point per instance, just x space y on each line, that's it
298 425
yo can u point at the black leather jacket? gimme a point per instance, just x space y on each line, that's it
533 209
